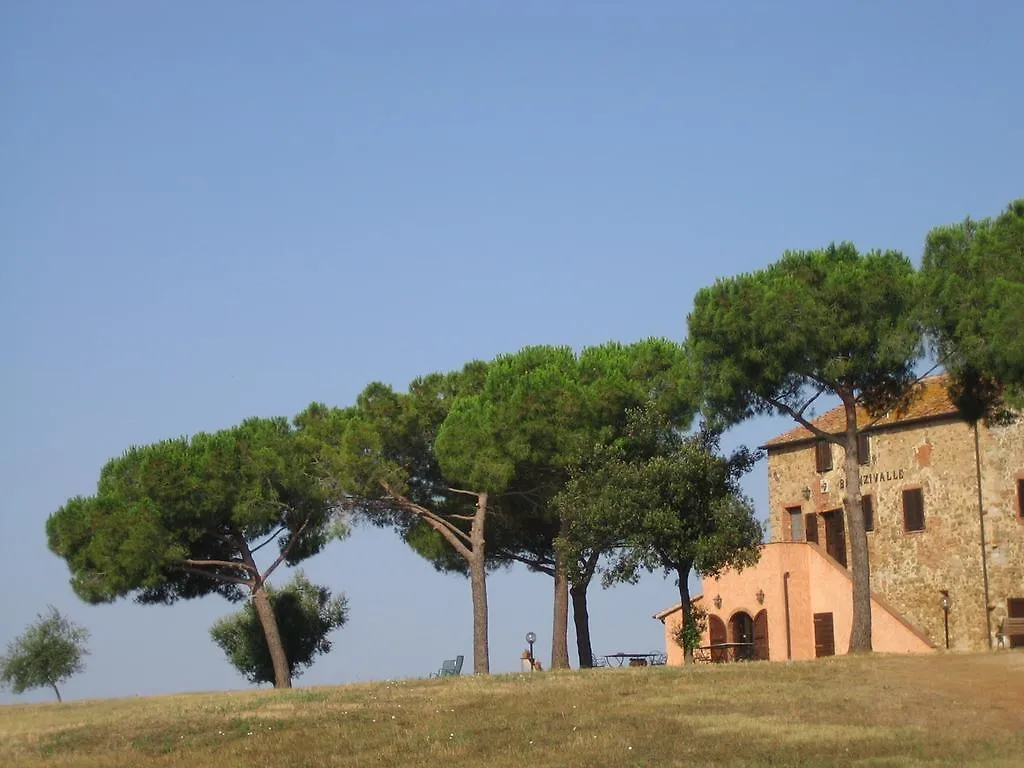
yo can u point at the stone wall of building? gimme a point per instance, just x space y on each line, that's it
910 569
1002 451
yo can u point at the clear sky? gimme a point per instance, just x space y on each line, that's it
210 211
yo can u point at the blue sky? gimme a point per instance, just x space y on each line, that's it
216 210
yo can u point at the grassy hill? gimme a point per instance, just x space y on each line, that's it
891 711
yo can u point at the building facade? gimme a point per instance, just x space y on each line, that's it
946 551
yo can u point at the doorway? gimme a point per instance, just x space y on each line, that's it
741 630
835 535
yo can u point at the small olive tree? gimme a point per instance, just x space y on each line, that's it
49 652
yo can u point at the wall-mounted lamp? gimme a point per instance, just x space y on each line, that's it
760 597
806 493
717 601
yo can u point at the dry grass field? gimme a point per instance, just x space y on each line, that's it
877 711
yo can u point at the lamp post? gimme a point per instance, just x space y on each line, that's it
531 638
945 603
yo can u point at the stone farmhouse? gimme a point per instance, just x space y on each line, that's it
946 550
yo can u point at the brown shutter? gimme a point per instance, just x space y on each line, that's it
761 636
717 635
811 527
863 449
823 456
913 510
868 503
1020 497
824 635
716 629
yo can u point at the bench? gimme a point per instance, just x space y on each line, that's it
449 668
1008 627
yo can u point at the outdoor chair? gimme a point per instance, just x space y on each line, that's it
449 668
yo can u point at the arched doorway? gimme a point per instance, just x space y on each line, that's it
761 636
741 630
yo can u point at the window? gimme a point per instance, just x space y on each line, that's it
913 510
863 449
1020 496
1015 610
796 524
868 503
823 455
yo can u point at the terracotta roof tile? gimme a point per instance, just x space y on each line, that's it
932 401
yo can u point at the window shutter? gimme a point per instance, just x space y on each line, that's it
761 650
717 634
863 449
823 456
868 503
1020 496
913 510
824 635
811 527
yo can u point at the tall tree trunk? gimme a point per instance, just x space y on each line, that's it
683 574
581 620
473 552
265 612
860 632
54 686
580 615
560 624
478 585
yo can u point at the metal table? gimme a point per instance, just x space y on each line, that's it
635 659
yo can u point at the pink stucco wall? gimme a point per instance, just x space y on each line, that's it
816 585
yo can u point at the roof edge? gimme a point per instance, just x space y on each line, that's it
951 415
660 615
